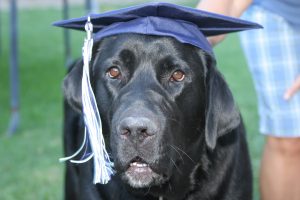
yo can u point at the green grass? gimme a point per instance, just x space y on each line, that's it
29 167
232 64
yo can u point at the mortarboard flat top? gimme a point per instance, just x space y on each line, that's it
185 24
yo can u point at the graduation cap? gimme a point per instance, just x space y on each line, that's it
186 25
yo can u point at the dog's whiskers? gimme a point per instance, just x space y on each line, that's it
177 152
183 152
175 120
170 187
146 193
176 166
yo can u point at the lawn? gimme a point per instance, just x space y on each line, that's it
29 167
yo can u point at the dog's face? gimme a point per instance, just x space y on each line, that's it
150 83
162 104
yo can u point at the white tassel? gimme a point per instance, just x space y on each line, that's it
93 126
77 152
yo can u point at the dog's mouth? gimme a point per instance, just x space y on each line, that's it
138 165
139 174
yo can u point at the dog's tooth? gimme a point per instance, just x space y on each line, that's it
136 164
139 165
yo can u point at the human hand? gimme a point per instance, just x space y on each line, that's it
293 89
214 40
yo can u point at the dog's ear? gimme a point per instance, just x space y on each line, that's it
72 86
222 115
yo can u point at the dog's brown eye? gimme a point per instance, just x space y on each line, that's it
113 72
178 76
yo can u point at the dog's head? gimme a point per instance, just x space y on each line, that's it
162 104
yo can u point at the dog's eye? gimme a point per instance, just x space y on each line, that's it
113 72
177 76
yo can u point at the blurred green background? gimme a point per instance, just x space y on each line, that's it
29 167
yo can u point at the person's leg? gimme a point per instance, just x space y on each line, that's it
273 59
280 169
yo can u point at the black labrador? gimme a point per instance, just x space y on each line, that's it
170 122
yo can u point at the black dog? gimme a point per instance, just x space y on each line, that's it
170 123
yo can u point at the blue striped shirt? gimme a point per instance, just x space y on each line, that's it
288 9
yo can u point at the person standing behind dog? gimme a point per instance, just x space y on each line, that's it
273 56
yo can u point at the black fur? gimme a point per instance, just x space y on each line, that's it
194 139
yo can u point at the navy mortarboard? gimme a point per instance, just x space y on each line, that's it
187 25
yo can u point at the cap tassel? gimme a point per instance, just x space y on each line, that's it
77 152
93 126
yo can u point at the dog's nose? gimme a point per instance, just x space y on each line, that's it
137 128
